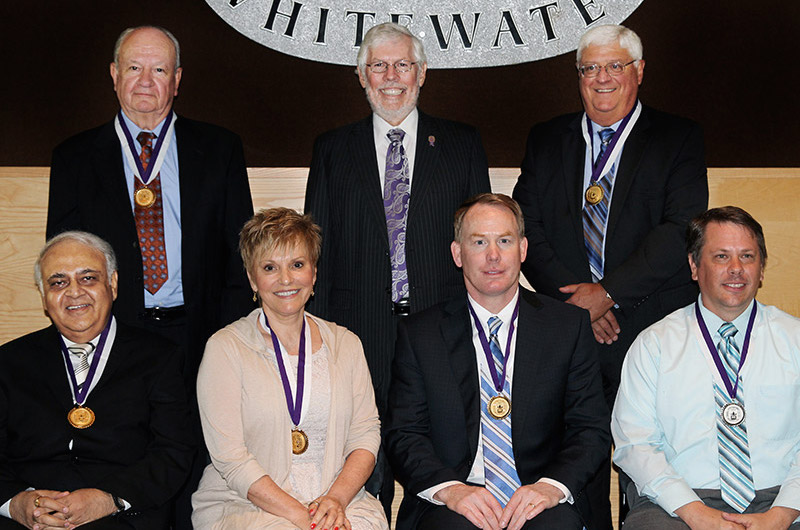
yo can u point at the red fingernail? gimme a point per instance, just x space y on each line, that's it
313 525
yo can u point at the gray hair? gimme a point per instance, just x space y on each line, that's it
124 35
389 31
612 34
85 238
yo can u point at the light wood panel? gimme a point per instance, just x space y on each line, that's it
768 194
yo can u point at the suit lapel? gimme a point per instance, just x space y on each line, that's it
573 151
50 366
629 162
528 354
361 150
457 334
191 174
425 161
108 165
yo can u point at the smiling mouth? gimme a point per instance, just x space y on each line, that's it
605 90
734 285
74 307
286 294
392 91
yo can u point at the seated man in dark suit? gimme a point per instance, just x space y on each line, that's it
496 410
94 421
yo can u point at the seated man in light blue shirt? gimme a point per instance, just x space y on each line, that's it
705 420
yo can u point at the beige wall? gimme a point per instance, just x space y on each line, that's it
770 195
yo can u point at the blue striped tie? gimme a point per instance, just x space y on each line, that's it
595 216
735 472
498 456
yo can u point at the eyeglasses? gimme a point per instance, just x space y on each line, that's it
593 70
401 67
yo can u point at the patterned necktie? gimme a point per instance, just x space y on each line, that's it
82 352
735 472
595 216
498 455
150 224
395 205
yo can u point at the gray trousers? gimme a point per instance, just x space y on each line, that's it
646 515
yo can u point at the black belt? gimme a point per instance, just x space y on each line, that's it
163 314
401 308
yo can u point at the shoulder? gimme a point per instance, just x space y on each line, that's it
340 340
560 124
204 131
345 131
86 140
445 125
658 119
779 319
36 340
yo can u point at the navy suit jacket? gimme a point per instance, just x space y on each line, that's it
141 443
345 198
88 192
660 185
559 421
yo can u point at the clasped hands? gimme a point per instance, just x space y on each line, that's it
326 513
49 509
594 298
483 510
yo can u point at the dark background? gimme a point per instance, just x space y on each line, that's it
733 66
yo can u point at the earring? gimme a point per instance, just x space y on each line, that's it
312 292
255 296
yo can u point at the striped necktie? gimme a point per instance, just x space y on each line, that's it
82 352
735 472
595 216
498 455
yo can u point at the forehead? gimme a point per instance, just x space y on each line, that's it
729 235
602 53
394 48
69 256
147 41
489 218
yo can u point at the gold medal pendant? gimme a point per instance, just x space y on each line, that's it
144 197
299 442
80 417
499 407
594 194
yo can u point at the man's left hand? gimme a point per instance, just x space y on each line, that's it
590 296
87 505
528 502
776 518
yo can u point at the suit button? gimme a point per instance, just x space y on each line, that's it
74 459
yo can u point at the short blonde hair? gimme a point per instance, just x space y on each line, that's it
276 228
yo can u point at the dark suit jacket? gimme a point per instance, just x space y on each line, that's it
559 421
139 447
88 192
659 187
344 196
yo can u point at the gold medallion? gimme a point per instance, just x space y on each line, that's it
144 197
499 407
299 442
594 194
80 417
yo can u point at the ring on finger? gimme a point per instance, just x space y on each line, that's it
36 501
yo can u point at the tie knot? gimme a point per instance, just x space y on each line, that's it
494 325
82 350
396 135
145 138
605 135
727 330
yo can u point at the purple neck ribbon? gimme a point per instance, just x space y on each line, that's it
144 174
80 395
295 406
601 162
498 379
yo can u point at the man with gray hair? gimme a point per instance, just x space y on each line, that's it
607 194
170 194
94 419
384 190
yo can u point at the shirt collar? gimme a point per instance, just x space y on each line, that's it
382 127
713 322
504 315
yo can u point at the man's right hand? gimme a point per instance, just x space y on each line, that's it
473 502
700 517
49 513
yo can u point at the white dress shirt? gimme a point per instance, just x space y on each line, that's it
381 127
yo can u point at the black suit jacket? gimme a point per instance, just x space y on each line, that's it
559 421
139 447
344 196
659 187
88 192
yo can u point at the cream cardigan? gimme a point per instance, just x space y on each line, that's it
246 425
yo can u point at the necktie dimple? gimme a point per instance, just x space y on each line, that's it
735 471
150 223
395 204
500 473
595 216
82 352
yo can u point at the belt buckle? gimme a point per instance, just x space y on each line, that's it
401 308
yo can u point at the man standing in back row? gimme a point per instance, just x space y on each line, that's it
607 194
384 190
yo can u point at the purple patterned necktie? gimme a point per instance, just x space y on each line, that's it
395 204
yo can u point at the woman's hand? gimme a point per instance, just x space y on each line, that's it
327 513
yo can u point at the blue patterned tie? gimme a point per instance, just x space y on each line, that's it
498 456
735 472
395 205
595 216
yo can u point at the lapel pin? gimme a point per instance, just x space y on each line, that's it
432 141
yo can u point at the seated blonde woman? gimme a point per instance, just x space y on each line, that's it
286 400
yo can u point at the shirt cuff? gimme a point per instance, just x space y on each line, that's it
433 490
565 490
5 509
